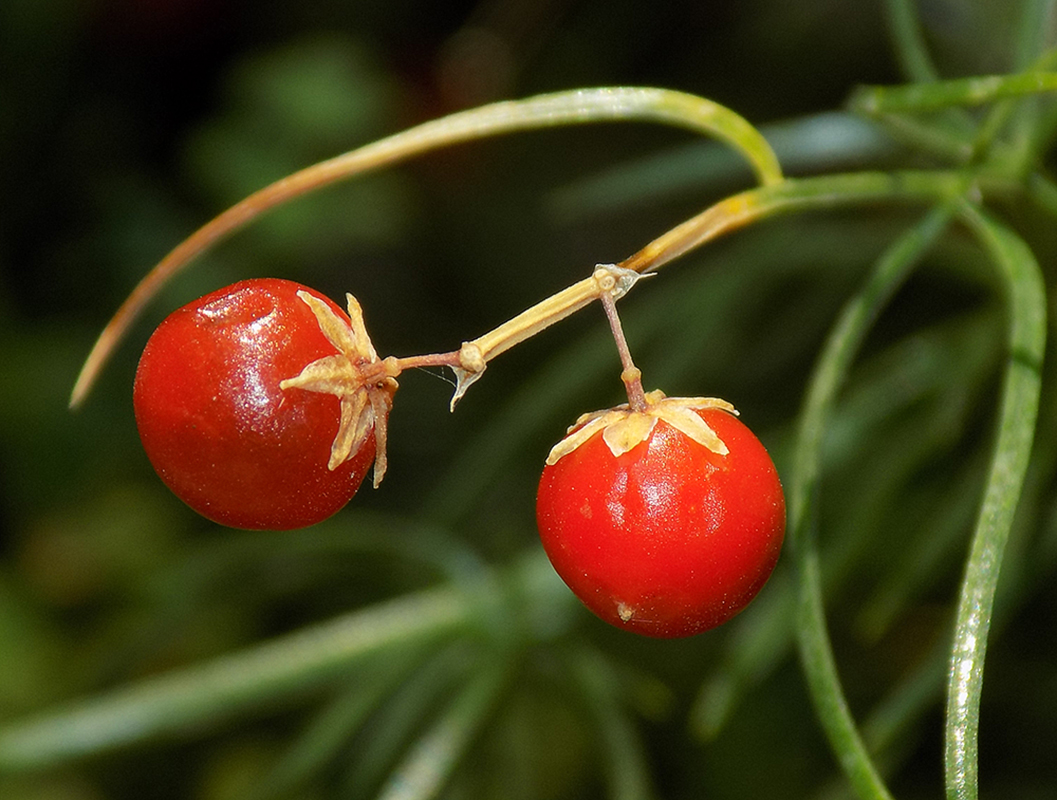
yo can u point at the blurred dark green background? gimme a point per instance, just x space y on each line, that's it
124 125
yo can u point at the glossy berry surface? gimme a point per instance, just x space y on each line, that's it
217 426
669 538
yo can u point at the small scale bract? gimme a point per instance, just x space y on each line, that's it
665 522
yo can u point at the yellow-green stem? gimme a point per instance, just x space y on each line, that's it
575 107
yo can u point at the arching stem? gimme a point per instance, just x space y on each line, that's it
608 283
575 107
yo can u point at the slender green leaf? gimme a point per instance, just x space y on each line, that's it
222 565
824 683
623 754
916 381
327 734
946 521
907 700
840 349
391 730
904 24
432 759
1016 427
1018 153
912 52
937 137
285 666
760 640
873 100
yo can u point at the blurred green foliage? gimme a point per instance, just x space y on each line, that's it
127 124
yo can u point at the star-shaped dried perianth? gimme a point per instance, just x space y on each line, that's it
364 383
623 428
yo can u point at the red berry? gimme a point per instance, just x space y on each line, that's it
222 432
652 525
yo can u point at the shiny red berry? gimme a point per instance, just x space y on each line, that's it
666 522
223 432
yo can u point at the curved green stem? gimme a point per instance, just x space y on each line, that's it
1020 154
793 194
905 27
837 355
874 100
1018 412
544 111
723 217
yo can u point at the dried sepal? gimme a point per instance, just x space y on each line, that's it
352 429
623 428
381 397
679 413
356 376
629 430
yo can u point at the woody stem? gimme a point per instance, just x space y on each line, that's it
607 282
630 375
